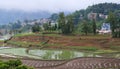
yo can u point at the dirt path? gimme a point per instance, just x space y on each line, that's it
78 63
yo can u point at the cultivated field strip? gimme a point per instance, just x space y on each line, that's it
78 63
42 63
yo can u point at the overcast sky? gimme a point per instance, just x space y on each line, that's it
50 5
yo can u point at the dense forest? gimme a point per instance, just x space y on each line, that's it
103 8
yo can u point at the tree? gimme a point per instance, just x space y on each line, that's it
117 14
69 24
85 27
54 16
49 25
54 27
103 8
119 28
65 24
61 22
36 28
46 26
94 26
112 20
16 25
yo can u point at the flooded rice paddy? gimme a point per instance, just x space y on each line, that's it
49 54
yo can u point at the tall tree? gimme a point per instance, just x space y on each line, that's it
94 26
46 26
54 16
66 23
117 14
85 27
69 24
112 20
119 27
50 27
61 22
36 28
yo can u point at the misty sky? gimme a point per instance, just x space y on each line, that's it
50 5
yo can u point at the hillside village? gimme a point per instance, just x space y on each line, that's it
42 21
87 38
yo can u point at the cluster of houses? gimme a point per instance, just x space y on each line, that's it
29 23
95 15
39 21
105 27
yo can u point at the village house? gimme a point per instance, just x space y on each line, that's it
105 29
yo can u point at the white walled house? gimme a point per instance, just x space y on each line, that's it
105 29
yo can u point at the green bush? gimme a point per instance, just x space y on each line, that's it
22 67
4 66
13 64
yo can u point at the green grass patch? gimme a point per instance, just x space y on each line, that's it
105 51
1 40
25 44
115 48
96 36
50 45
55 35
36 34
86 48
24 34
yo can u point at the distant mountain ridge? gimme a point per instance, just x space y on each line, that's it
7 16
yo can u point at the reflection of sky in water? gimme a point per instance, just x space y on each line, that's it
51 54
113 55
61 54
5 37
78 54
16 51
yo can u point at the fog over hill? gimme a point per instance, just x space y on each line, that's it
7 16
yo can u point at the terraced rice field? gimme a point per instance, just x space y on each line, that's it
78 63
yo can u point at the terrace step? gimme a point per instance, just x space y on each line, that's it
78 63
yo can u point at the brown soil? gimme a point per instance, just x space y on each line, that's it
1 43
78 63
68 41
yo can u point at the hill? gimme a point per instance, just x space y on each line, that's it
103 8
7 16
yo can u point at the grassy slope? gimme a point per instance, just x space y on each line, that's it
98 43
